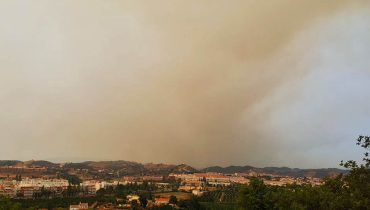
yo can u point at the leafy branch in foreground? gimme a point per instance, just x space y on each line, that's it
363 141
344 192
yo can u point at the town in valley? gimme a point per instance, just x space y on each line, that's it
129 183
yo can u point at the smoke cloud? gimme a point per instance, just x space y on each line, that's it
203 83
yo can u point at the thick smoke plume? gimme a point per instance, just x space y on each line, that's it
204 83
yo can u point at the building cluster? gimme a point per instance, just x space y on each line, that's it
31 187
80 206
154 202
27 188
282 181
198 183
92 186
195 183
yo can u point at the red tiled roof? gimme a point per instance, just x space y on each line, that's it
162 200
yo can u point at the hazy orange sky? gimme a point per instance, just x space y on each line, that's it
264 83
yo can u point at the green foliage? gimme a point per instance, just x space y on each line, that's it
60 202
101 192
192 204
226 194
253 196
143 201
333 195
131 188
344 192
7 204
18 177
173 199
218 206
72 179
134 205
162 207
358 180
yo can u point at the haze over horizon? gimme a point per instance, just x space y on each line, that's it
262 83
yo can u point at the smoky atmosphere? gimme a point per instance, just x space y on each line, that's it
204 83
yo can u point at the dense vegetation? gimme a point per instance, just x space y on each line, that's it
227 194
351 191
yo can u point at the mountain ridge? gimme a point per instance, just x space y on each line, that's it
295 172
135 168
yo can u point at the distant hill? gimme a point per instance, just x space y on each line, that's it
129 168
9 162
284 171
30 163
40 163
229 169
161 168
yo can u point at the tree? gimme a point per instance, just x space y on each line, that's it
162 207
101 192
346 191
143 201
363 141
192 204
173 199
7 204
72 179
134 205
358 180
18 177
252 196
